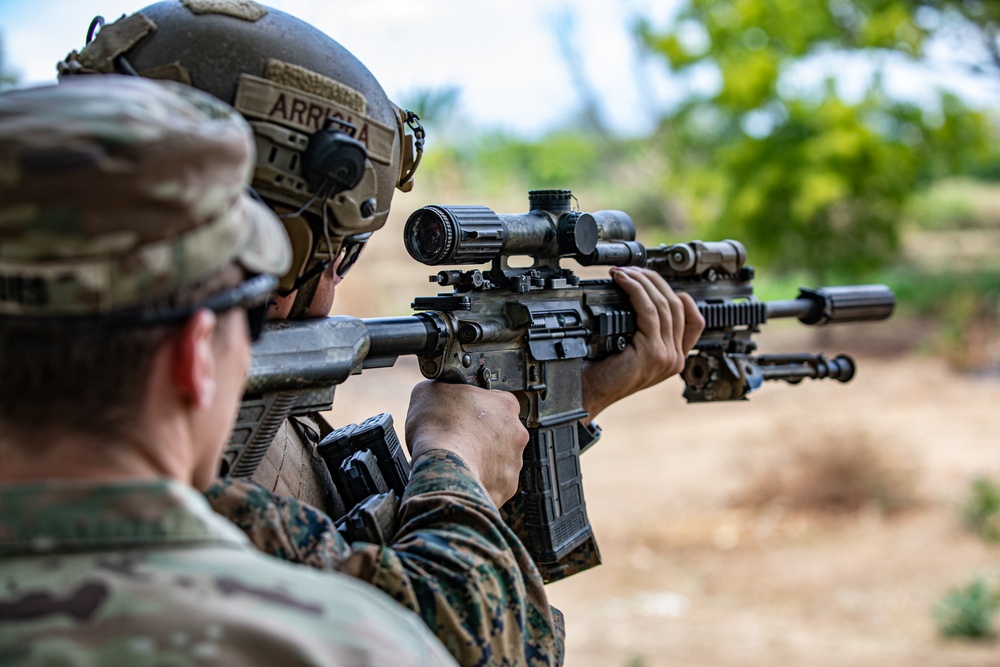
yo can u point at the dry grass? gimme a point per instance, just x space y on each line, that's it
974 343
842 473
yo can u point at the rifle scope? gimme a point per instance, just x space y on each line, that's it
476 234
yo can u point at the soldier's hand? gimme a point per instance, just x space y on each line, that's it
668 325
480 426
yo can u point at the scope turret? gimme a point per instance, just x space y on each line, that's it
476 234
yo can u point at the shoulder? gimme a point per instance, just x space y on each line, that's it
335 608
237 606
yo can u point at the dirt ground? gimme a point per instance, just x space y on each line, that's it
692 577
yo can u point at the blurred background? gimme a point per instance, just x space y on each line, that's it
842 141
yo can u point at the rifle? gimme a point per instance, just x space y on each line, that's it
529 330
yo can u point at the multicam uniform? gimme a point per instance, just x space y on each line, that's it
452 560
144 573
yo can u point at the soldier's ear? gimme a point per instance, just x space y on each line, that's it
193 360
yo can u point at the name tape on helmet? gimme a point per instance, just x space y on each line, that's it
265 100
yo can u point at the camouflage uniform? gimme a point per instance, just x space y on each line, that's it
115 191
144 573
452 560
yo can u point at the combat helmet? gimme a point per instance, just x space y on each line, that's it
331 147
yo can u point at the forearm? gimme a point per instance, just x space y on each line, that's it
452 561
464 571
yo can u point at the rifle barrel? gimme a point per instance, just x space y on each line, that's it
789 308
826 305
392 337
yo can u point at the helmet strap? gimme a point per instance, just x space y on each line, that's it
304 296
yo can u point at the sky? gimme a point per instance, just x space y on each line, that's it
503 56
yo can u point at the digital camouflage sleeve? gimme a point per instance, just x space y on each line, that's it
452 560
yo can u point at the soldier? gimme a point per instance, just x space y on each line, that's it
474 583
134 272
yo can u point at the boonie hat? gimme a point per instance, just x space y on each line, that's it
116 190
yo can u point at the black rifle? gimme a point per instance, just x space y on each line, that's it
528 330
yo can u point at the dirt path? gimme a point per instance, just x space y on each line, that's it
688 579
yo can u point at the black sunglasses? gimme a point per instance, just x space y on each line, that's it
352 247
253 295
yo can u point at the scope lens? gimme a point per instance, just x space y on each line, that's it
427 238
430 237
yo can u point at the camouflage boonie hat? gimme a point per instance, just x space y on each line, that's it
116 190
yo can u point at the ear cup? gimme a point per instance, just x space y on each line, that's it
333 162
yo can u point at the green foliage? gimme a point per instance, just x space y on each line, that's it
498 169
821 190
554 161
932 292
982 508
955 204
434 105
960 309
806 178
499 164
810 181
961 142
968 611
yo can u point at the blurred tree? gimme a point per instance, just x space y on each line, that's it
977 16
564 30
7 78
435 106
779 156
